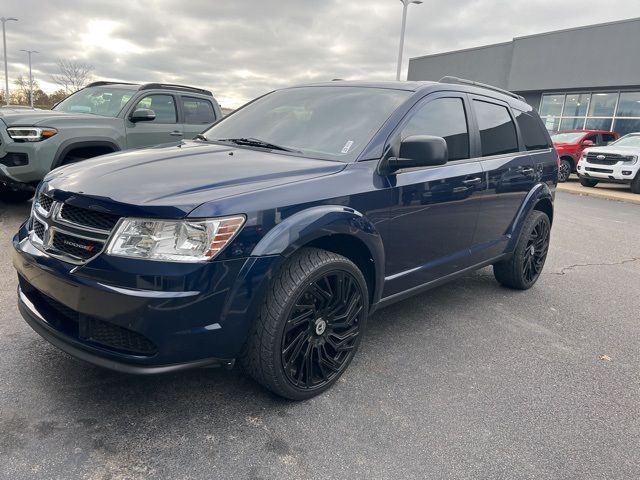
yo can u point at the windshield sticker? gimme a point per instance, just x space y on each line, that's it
347 146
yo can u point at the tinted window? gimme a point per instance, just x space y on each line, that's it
576 105
624 126
551 105
572 123
598 123
629 105
602 105
608 137
162 105
442 117
533 132
197 110
497 131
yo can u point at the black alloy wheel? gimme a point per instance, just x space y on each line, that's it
321 333
536 251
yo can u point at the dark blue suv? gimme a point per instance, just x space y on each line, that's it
273 235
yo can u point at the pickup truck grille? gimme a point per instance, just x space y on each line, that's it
606 158
72 234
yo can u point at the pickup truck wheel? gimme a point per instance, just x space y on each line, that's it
311 323
565 170
588 182
10 195
635 183
523 269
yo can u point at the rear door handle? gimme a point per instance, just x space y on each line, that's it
176 133
527 171
472 181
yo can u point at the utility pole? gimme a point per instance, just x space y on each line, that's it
29 52
4 20
405 7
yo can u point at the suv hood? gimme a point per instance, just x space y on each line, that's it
614 149
27 118
177 179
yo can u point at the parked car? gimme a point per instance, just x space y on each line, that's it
102 118
616 163
571 143
273 236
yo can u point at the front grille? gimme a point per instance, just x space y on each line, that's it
609 158
74 246
599 170
38 229
87 328
88 218
45 202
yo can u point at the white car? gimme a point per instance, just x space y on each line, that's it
616 163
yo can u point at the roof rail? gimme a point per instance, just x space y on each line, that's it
170 86
463 81
102 83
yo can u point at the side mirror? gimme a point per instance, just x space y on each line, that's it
588 143
418 151
142 115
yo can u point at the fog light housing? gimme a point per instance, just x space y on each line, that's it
15 159
626 172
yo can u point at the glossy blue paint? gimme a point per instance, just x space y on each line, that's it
418 227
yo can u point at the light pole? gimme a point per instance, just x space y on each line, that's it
29 52
405 6
4 20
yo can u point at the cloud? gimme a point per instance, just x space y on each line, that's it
241 49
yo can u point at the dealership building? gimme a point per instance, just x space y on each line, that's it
585 77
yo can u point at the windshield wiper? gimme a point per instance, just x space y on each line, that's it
255 142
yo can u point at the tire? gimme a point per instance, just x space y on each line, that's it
10 195
321 335
70 159
588 182
523 269
635 183
566 166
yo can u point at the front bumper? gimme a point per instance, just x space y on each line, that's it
137 316
620 172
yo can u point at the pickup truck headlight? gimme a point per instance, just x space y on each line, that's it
31 134
173 240
632 159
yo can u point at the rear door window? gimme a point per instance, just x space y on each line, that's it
197 111
497 130
533 133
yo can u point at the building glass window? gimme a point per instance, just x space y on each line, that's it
616 111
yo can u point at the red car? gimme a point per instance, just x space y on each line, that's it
570 144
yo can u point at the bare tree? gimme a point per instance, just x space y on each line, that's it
20 96
72 75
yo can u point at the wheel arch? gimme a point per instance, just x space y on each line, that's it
335 228
540 198
74 144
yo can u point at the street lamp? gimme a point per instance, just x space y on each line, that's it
4 20
405 6
29 52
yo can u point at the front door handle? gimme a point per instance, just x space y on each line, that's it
527 171
472 181
176 133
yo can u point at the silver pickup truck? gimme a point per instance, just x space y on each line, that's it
102 118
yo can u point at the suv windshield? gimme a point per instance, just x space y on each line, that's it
567 137
333 123
104 101
628 141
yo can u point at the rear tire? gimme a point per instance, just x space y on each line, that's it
635 183
524 267
10 195
566 166
588 182
310 326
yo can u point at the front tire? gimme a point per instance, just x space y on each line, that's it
566 166
310 326
11 195
588 182
523 269
635 183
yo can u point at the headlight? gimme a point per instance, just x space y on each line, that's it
632 159
173 240
31 134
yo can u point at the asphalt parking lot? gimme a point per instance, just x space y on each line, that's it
467 381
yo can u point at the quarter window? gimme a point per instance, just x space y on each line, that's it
446 118
497 130
197 111
162 105
533 132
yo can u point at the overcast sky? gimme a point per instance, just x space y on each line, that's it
242 48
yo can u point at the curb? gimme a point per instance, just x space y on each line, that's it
619 196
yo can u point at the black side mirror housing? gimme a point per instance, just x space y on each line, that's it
418 151
142 115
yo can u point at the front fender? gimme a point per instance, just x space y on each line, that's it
323 221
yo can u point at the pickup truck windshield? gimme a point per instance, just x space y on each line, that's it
332 123
567 137
104 101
